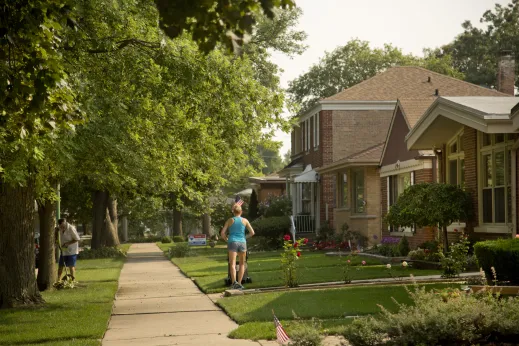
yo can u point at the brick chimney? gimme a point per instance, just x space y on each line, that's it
506 73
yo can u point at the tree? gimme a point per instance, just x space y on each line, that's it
475 52
433 205
351 64
253 207
211 22
270 156
40 43
287 158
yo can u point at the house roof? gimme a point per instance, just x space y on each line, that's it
413 109
448 114
487 106
271 178
366 157
410 82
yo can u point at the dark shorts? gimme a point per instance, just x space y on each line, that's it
69 261
237 246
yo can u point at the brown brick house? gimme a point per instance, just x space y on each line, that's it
482 134
337 146
267 186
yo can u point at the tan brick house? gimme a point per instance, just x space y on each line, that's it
337 146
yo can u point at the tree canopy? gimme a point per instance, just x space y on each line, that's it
475 51
353 63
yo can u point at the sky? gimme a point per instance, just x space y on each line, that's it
410 25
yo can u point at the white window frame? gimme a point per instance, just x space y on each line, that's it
307 134
458 156
353 192
492 149
408 231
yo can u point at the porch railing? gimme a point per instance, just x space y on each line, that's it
304 223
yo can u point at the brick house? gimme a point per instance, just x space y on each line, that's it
334 176
270 185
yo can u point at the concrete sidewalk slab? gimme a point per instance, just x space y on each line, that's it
173 304
208 339
168 324
157 305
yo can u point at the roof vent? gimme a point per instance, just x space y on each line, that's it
429 79
436 92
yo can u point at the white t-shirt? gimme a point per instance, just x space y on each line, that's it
69 235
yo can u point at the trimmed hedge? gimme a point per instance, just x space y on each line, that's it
501 254
166 240
272 228
178 239
152 239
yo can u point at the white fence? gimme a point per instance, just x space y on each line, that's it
304 223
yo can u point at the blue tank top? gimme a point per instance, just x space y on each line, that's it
237 231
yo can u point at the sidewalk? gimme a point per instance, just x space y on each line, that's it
157 305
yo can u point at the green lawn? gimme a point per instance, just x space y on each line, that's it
333 308
71 316
209 268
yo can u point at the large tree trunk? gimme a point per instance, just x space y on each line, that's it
177 222
104 223
17 277
47 263
206 224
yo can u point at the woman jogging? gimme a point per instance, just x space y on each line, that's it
236 243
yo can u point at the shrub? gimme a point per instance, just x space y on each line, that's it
503 255
181 250
431 245
178 239
166 240
104 252
152 239
305 335
417 255
403 246
447 317
326 233
388 250
272 228
276 206
455 261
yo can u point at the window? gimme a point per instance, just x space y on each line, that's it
456 161
397 185
496 191
308 134
358 191
302 133
343 190
307 197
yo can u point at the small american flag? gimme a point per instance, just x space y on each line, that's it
238 200
282 336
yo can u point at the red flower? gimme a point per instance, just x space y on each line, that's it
299 254
286 237
305 241
296 244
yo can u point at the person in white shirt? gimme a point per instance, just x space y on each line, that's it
69 247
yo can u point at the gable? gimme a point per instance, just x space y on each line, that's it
396 147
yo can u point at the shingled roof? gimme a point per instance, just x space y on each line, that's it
410 82
413 109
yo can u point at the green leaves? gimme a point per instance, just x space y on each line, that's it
211 22
430 204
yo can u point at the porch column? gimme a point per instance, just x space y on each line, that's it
514 188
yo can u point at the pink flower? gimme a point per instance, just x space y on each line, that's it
348 261
286 237
363 263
